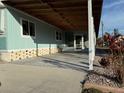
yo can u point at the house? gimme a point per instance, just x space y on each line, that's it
31 28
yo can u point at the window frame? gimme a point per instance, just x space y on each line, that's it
34 29
28 36
59 35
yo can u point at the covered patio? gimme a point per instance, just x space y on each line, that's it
81 17
60 72
69 15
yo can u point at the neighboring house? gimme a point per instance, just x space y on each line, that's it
23 35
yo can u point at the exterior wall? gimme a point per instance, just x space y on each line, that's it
3 43
2 29
19 47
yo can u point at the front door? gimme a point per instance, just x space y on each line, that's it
78 42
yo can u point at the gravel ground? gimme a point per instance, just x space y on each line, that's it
102 80
102 76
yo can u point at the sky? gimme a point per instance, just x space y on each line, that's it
112 16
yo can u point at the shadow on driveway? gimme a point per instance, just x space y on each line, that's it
63 64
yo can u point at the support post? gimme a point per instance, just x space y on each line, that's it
91 35
82 42
74 42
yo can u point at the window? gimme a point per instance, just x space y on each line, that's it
28 28
58 35
25 27
32 29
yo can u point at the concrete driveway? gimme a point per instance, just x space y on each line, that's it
58 73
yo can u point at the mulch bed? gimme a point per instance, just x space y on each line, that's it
103 79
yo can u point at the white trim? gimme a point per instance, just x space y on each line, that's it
27 36
74 42
15 50
3 51
82 39
75 46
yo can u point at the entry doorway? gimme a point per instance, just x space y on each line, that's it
78 42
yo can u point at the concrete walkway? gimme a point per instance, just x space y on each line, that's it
75 61
59 73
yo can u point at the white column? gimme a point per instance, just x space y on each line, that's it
92 40
82 42
74 42
91 35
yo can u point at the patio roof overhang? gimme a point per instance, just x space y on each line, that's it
65 14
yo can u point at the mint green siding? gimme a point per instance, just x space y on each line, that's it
3 43
45 33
